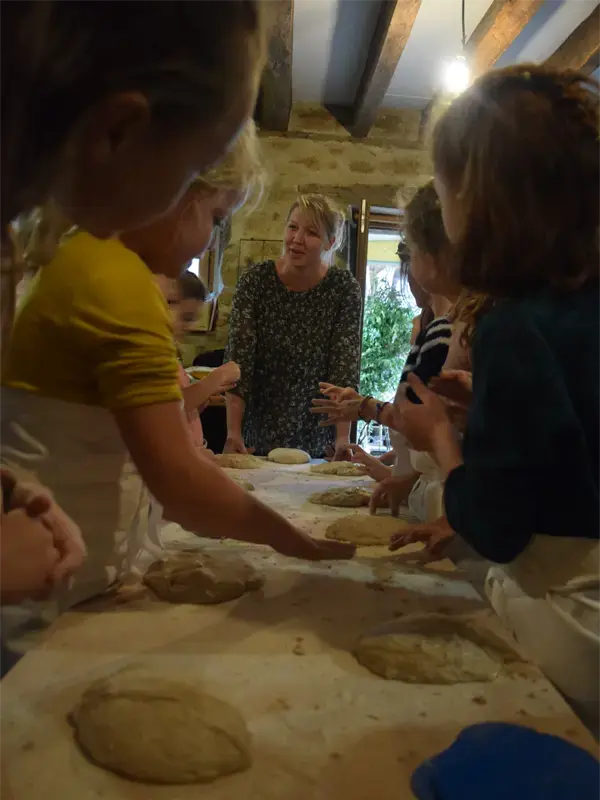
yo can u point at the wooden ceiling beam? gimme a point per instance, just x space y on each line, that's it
581 50
275 99
392 30
501 24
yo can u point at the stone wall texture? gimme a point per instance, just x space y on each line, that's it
318 155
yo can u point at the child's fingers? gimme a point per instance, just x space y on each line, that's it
418 387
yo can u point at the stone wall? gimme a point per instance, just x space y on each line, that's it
318 155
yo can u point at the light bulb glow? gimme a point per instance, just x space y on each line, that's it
457 76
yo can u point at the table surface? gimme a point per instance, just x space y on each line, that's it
323 727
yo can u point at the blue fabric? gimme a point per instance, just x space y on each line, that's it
499 761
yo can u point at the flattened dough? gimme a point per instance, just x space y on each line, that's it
238 461
435 648
344 469
190 576
156 730
288 455
345 497
362 529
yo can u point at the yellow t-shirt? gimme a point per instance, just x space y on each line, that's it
94 329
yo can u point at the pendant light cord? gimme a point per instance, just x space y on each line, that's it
464 34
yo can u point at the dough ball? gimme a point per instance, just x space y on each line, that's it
434 648
343 469
238 461
288 455
346 497
196 577
249 487
160 731
365 529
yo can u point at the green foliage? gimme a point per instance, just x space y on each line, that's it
385 341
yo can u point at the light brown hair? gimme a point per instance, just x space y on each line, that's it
423 223
325 215
519 150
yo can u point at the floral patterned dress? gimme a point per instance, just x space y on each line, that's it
285 343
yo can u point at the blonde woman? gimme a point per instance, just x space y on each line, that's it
295 323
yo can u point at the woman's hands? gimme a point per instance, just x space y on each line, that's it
301 545
339 405
235 444
455 387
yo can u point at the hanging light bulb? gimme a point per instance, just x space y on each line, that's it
457 76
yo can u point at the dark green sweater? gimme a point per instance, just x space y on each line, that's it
531 447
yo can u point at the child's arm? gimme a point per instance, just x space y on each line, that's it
220 380
198 495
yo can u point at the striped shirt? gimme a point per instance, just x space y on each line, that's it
428 354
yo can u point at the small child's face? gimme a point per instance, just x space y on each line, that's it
187 315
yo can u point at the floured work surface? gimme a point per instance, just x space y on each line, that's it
323 727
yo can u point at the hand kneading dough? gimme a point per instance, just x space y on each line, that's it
350 497
249 487
434 648
343 469
160 731
364 530
238 461
288 455
195 577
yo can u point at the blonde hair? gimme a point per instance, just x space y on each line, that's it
241 170
326 216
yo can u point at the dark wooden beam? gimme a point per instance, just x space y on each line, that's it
501 24
392 30
582 48
275 102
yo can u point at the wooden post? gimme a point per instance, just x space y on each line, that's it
275 101
393 28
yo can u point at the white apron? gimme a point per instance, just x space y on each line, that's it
548 597
426 499
77 451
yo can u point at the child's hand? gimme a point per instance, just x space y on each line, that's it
375 469
37 501
455 385
436 535
227 376
301 545
424 424
29 558
235 444
340 405
393 491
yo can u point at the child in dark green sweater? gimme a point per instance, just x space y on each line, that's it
516 160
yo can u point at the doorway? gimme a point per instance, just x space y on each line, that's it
388 312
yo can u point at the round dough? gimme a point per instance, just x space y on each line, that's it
346 497
344 469
288 455
193 577
434 648
238 461
364 529
160 731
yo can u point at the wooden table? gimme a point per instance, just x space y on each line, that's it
323 727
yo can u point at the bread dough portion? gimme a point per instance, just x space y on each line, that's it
288 455
238 461
364 529
434 649
190 576
156 730
344 469
249 487
345 497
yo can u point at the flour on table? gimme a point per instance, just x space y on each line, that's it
345 497
249 487
435 649
190 576
288 455
365 529
155 730
238 461
344 469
